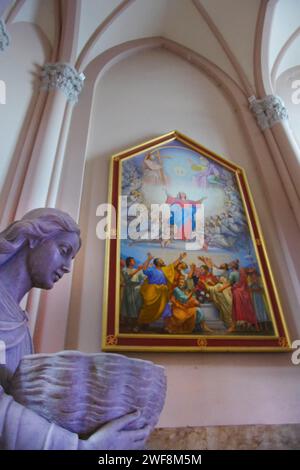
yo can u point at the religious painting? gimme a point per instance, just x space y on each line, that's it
186 263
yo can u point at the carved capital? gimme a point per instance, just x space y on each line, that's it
268 110
4 37
63 77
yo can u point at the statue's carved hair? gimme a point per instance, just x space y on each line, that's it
38 224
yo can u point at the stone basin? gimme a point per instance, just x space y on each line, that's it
81 392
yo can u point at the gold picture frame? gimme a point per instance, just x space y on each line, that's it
227 300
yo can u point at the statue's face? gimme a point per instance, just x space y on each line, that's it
50 260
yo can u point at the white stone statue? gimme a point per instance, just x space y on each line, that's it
36 252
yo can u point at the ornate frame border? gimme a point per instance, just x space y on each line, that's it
112 340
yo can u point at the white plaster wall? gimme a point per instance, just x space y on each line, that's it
139 98
291 97
184 24
19 68
93 13
291 56
240 33
177 20
285 22
41 13
141 19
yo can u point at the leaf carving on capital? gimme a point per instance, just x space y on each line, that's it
4 38
63 77
268 111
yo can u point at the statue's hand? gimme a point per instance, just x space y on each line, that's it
113 436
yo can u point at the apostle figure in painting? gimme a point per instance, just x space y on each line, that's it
187 315
133 277
37 251
222 299
243 313
156 290
180 272
258 299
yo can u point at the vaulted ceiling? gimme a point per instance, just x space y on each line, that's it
232 34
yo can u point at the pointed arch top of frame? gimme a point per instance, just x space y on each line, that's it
176 135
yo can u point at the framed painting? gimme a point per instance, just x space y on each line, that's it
186 264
